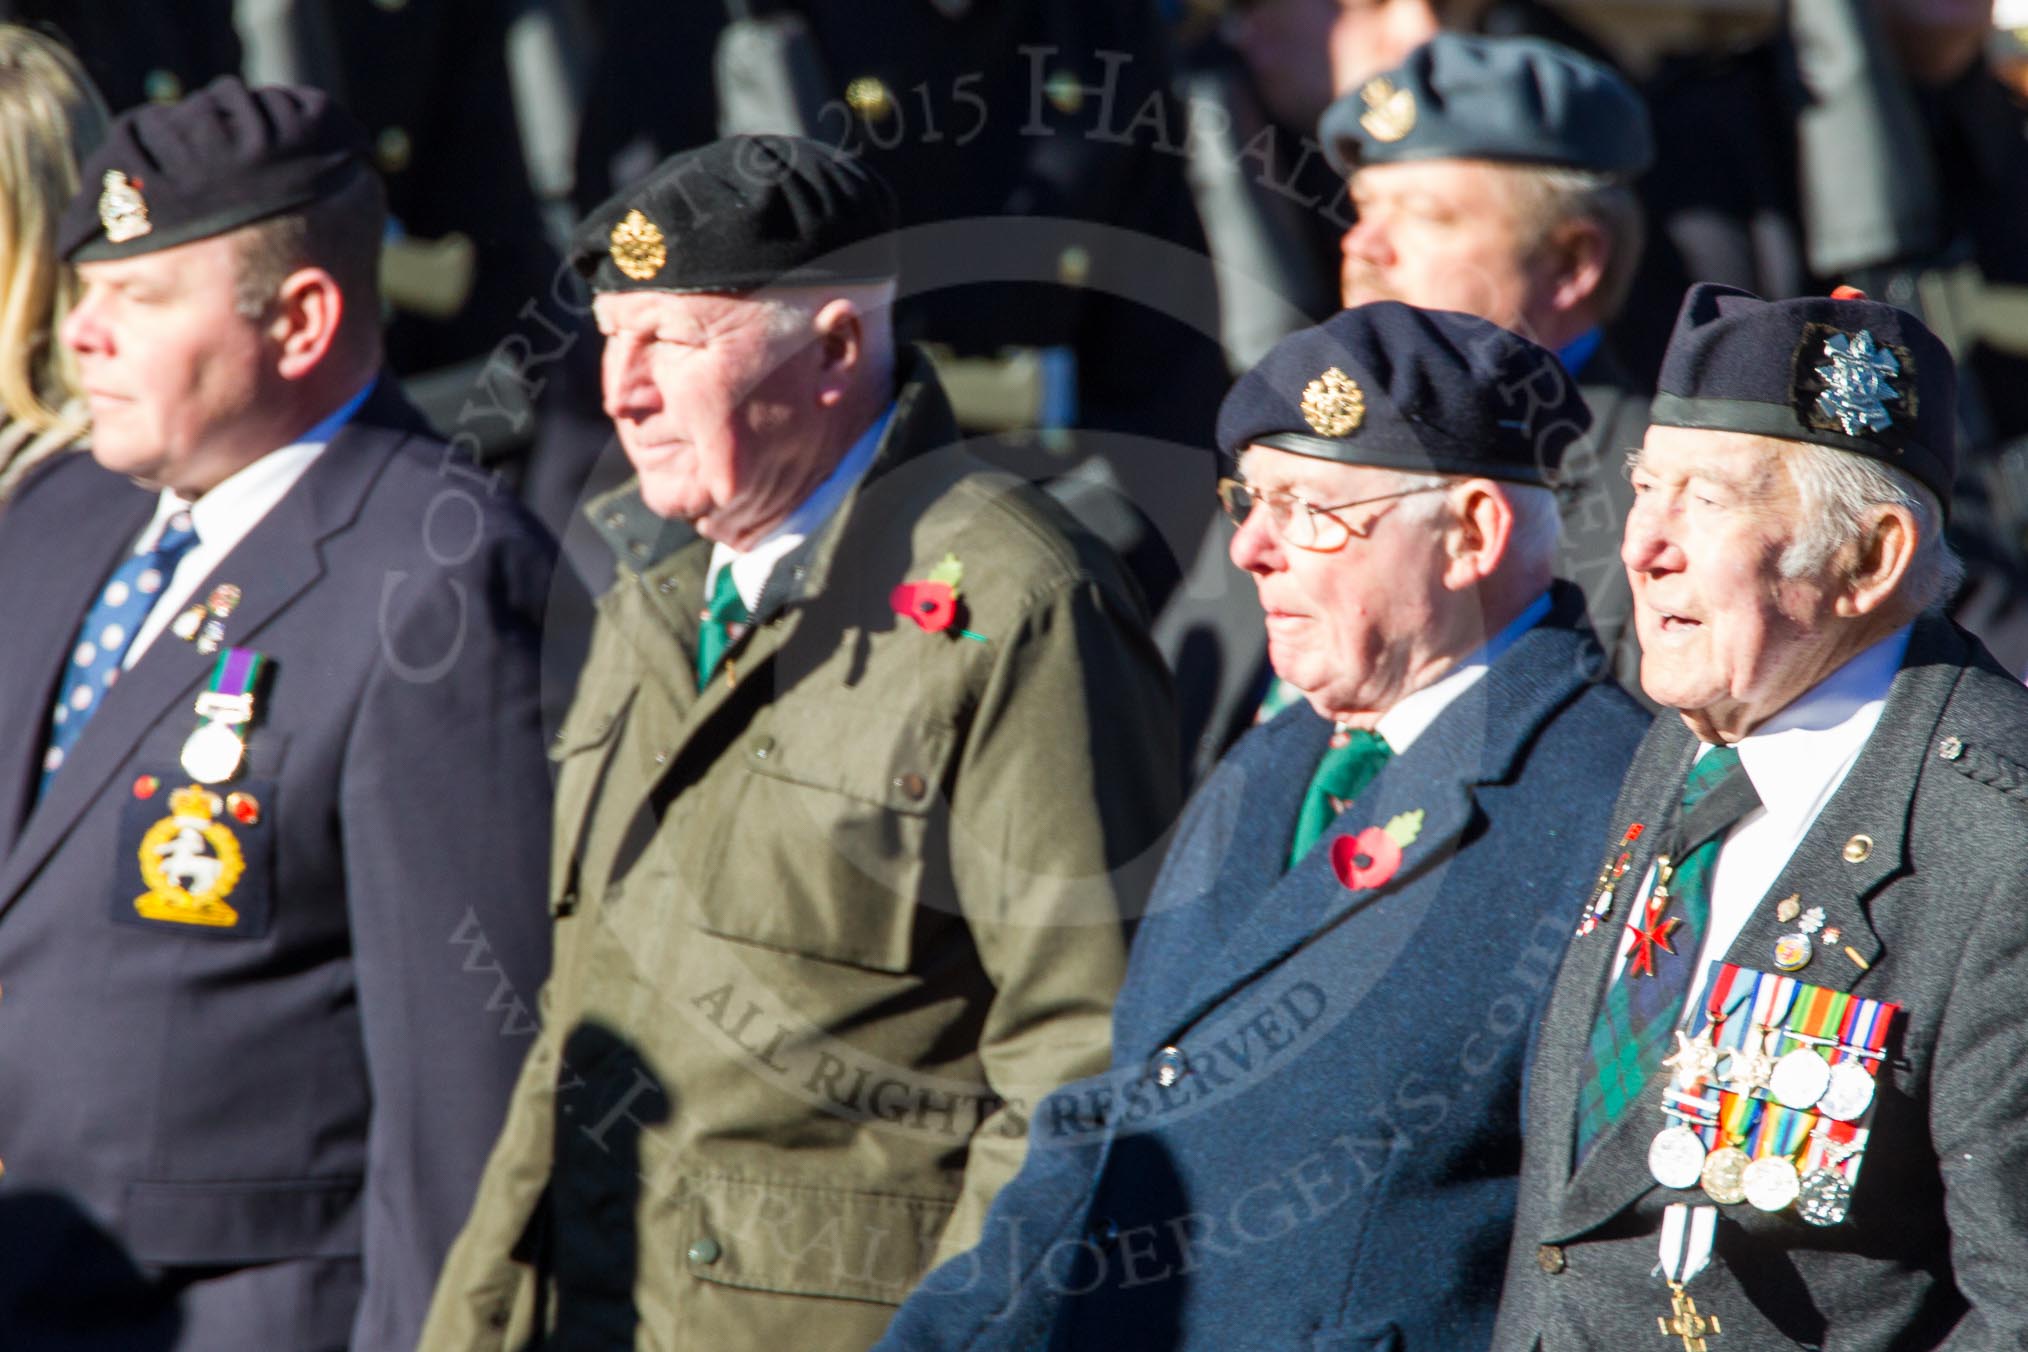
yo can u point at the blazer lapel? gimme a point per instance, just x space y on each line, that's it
71 567
276 562
1476 740
1615 1172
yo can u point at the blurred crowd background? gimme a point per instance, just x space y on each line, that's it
1115 205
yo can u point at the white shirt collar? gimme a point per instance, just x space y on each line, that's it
237 503
751 567
1414 712
1798 758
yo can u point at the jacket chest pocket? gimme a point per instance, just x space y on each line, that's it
581 752
825 834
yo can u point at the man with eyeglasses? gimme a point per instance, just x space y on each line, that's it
1310 1134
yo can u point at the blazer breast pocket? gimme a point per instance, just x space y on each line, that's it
196 859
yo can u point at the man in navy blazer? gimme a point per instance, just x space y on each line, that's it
273 801
1310 1135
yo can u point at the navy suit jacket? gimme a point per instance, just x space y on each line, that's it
320 1081
1311 1134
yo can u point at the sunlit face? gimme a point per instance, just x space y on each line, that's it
179 383
716 414
1725 637
1351 629
1443 235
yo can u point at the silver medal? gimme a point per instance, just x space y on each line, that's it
1676 1157
1800 1079
212 754
1825 1199
1770 1183
1848 1094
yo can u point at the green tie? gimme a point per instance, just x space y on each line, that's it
714 635
1341 774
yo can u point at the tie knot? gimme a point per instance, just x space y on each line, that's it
1347 769
725 605
178 534
1706 774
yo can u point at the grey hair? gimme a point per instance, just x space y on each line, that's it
1837 489
1538 522
1546 197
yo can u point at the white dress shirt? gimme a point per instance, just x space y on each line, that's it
1414 712
226 515
1796 760
751 567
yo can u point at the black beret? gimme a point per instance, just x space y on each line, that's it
740 214
1850 373
1522 100
1427 391
224 157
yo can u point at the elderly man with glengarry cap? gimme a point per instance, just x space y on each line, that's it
272 787
866 768
1779 1098
1310 1133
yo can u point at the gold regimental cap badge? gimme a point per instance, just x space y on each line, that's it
122 211
638 248
1333 404
191 863
1390 112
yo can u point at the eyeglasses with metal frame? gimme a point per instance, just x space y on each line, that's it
1315 528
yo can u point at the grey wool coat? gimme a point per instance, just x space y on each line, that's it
1921 859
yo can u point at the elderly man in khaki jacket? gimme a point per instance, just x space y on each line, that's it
858 788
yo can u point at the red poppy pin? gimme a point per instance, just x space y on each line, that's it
933 602
1370 858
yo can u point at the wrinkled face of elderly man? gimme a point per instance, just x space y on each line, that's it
1749 587
729 407
1370 579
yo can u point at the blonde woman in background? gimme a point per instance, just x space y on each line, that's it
50 118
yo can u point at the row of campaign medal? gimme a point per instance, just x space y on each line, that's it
1767 1103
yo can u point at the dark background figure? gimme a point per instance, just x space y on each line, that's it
429 80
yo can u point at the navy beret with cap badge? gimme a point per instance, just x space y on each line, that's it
1519 100
1838 370
1422 391
225 157
739 214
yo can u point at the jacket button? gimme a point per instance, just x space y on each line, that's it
763 748
705 1251
1950 748
1857 848
911 784
1168 1066
1550 1259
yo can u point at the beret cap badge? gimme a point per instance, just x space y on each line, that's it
1390 112
1856 388
122 210
638 247
1333 404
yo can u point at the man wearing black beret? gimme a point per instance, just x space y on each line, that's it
866 767
1778 1098
1311 1129
1494 176
272 791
